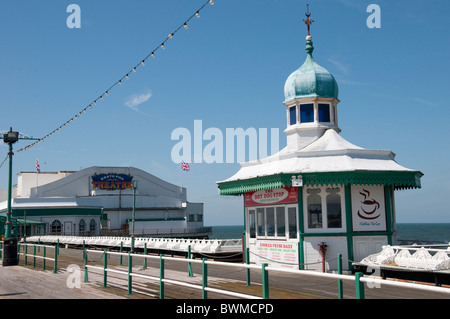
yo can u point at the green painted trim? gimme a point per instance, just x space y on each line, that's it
349 224
353 234
142 209
399 180
56 211
388 207
155 219
301 230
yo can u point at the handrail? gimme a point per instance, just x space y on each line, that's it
358 278
163 280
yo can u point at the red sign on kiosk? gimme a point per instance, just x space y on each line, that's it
275 196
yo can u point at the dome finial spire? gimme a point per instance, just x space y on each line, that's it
308 20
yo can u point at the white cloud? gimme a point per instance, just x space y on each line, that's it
339 65
133 101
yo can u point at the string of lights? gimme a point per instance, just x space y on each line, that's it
125 77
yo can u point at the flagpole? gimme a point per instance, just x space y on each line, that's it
181 188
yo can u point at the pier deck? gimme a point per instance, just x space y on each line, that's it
24 282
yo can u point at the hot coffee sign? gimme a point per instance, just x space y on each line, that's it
368 209
272 196
112 181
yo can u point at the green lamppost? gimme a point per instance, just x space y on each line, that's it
9 138
134 213
10 244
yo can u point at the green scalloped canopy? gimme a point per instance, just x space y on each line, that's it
310 80
399 180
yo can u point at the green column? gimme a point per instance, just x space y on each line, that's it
55 264
44 260
265 281
340 286
121 249
145 254
130 270
204 279
34 256
161 277
349 225
190 274
86 279
389 215
247 261
301 230
359 286
105 265
8 226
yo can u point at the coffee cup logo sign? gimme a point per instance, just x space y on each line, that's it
112 181
368 208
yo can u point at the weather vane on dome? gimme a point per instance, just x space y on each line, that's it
308 21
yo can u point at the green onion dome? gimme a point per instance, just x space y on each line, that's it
310 80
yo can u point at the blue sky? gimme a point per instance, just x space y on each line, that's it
227 69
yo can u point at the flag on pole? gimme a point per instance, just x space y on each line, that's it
184 166
38 168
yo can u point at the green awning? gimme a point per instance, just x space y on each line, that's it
397 179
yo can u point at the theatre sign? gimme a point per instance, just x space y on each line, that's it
112 181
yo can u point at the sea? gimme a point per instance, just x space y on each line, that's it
407 233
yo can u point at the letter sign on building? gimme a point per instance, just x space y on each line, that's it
112 181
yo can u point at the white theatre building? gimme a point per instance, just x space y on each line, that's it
101 200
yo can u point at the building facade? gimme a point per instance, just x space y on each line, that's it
320 196
106 201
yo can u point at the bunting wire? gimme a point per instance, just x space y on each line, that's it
119 82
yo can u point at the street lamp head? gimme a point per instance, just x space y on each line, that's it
11 137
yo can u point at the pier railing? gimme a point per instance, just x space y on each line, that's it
358 278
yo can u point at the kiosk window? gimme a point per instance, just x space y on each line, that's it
272 221
314 203
292 218
324 206
261 231
252 223
281 226
334 213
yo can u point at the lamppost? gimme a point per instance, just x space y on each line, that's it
10 243
134 213
10 253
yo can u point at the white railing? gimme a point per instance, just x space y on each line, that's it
205 246
415 257
358 278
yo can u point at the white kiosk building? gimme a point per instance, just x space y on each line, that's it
320 193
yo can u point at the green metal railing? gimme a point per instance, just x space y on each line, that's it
358 278
34 255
